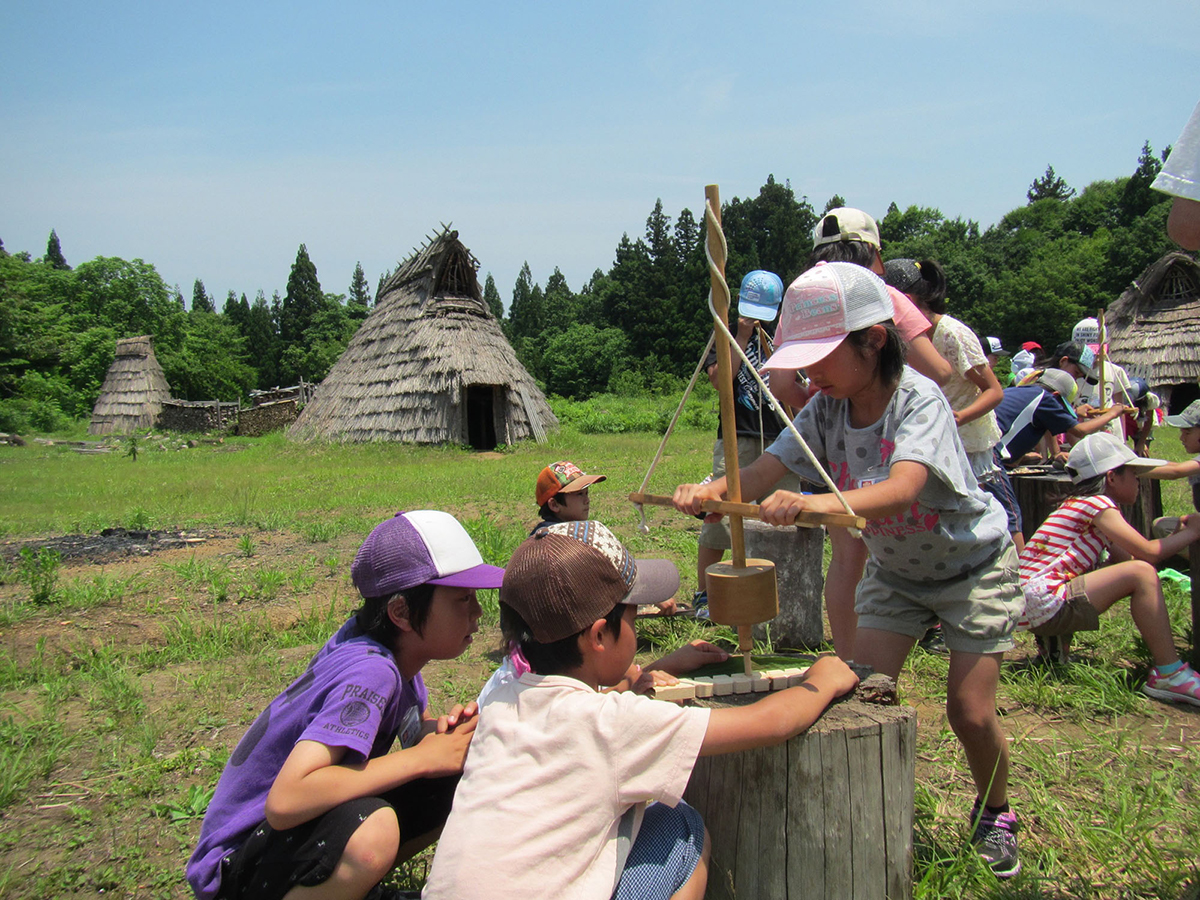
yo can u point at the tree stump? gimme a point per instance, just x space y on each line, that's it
797 554
828 814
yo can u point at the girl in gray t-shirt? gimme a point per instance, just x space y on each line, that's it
939 546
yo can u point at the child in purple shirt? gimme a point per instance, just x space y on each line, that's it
311 795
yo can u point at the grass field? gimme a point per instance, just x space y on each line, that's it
126 681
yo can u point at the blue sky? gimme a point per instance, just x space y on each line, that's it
213 139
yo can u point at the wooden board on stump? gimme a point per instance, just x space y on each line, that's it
828 814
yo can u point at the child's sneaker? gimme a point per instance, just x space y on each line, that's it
1054 648
995 839
700 604
1182 685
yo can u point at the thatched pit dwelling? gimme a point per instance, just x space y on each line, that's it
133 392
1154 329
429 365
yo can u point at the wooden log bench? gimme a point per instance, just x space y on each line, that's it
828 814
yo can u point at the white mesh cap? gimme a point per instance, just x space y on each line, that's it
824 305
1102 452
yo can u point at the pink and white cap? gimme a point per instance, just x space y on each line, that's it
824 305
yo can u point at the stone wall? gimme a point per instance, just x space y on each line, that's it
267 417
197 416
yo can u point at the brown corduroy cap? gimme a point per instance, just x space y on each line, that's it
568 575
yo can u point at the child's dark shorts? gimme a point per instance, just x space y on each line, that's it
1076 613
664 855
270 863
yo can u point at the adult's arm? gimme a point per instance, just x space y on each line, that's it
1183 223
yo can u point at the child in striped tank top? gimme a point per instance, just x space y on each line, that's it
1066 588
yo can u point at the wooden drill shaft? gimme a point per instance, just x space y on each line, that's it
806 518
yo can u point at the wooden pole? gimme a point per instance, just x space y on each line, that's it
805 518
733 480
1194 572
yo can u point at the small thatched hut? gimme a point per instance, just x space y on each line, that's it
1154 329
133 392
429 365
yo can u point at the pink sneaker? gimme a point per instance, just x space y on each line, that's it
1182 686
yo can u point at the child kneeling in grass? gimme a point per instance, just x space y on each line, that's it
311 798
1065 587
573 793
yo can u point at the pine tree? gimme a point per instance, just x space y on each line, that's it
559 307
201 302
237 312
262 342
525 311
302 301
837 201
1049 187
491 297
1138 197
358 304
54 254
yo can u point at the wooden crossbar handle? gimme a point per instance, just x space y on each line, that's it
805 518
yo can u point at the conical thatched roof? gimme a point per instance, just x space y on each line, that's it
1154 327
429 365
133 392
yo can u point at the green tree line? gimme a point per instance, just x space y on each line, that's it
59 327
639 327
1031 276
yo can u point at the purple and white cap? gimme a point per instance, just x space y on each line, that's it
425 546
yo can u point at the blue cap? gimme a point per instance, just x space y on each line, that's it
760 295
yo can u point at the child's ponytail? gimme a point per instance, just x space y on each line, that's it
924 281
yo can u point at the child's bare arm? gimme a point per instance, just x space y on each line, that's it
990 395
1090 424
756 479
923 357
441 724
780 716
314 780
1184 469
688 658
1129 540
894 495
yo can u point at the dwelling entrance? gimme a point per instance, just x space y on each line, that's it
481 416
